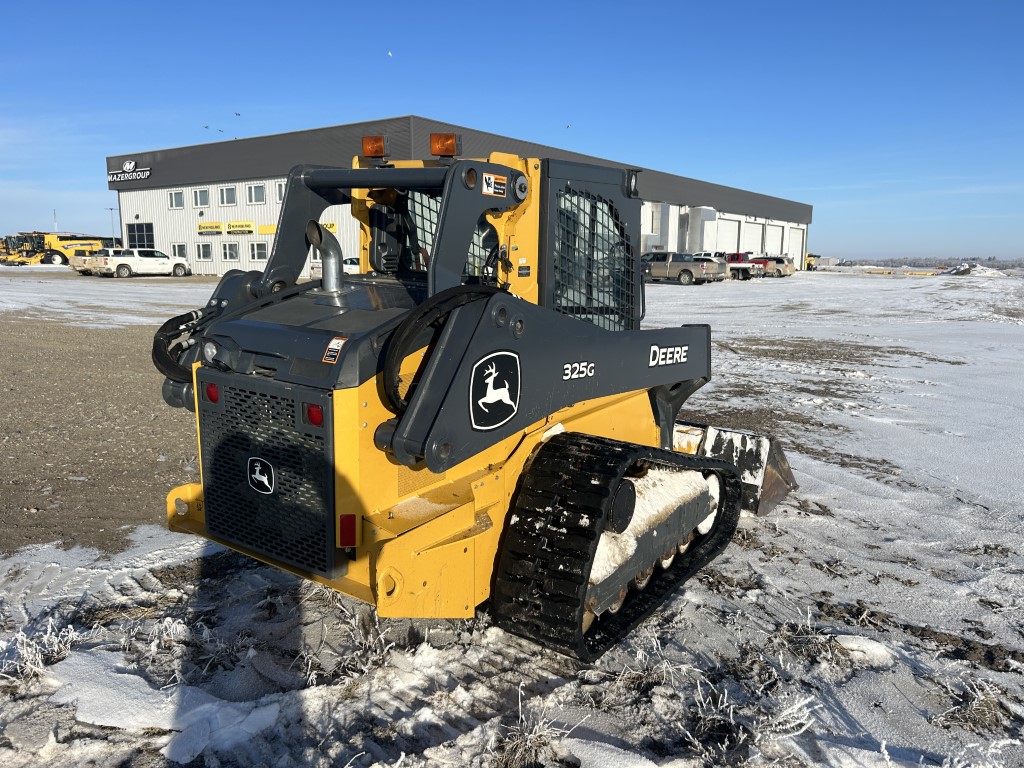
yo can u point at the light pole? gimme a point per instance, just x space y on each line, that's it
113 236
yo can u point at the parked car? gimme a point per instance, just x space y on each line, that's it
349 265
716 270
774 266
779 266
682 267
79 262
125 262
741 268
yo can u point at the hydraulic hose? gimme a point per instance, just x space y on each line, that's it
435 308
170 341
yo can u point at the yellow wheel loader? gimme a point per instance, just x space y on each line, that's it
476 417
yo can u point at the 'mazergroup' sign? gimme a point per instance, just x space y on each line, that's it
128 172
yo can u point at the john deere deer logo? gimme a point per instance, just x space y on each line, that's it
261 475
494 390
494 394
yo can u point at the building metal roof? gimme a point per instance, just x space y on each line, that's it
273 156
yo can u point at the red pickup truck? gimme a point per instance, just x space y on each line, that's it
741 267
773 266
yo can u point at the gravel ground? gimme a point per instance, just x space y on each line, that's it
88 448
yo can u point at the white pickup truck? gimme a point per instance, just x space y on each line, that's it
125 262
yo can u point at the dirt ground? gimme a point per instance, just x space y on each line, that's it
88 449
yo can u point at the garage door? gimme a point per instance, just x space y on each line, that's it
773 240
728 236
796 245
753 237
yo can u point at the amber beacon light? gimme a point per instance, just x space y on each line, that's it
375 146
445 144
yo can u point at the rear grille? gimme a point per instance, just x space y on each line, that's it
268 479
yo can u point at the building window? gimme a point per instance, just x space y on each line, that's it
140 235
229 251
256 193
258 251
280 191
200 198
204 252
227 196
178 250
176 199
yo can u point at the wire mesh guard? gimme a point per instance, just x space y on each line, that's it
424 211
594 262
421 234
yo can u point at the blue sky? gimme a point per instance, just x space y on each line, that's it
902 123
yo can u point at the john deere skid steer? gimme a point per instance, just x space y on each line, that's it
477 417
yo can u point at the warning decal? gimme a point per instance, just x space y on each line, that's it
495 185
334 349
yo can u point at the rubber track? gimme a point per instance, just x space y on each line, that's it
548 548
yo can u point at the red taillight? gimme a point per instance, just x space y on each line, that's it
212 393
314 415
347 532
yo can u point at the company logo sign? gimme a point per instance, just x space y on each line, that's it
494 390
128 172
241 228
668 355
261 475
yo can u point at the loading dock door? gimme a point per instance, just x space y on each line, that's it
753 237
796 245
773 240
728 236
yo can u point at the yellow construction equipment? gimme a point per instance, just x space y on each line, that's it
51 247
475 418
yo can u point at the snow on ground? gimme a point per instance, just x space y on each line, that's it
874 618
96 302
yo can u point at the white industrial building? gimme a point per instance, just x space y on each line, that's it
218 204
691 229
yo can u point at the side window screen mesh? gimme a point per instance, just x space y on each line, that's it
421 228
481 248
593 262
416 233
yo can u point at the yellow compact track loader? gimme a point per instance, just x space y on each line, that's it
476 417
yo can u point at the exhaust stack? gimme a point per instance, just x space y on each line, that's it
330 255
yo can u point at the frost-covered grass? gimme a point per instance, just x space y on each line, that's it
28 653
530 740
